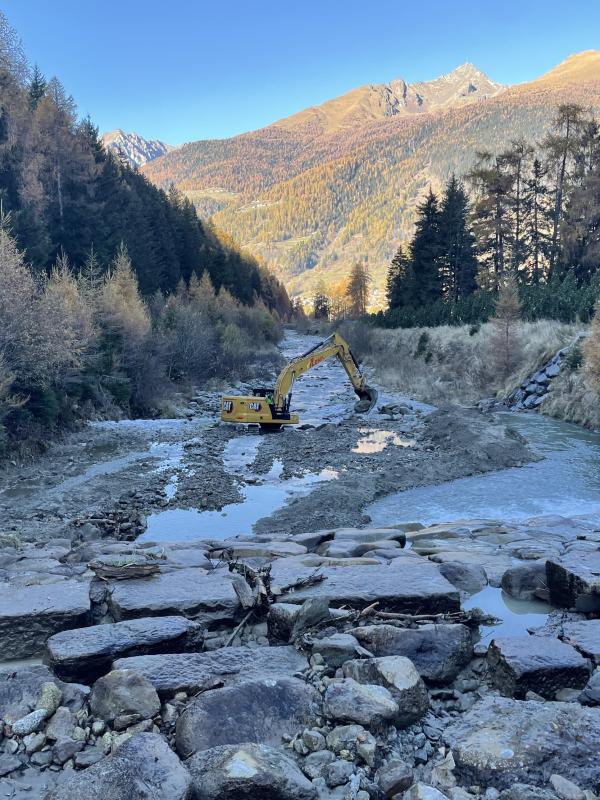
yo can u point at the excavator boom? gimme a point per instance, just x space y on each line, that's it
270 408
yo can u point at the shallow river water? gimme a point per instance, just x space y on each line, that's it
566 482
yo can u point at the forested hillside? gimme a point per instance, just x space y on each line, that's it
326 187
112 291
66 193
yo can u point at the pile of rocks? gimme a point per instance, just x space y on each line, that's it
363 679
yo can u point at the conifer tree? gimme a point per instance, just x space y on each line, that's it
425 253
401 288
457 258
505 341
358 289
37 87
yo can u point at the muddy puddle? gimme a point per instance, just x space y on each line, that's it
517 616
262 495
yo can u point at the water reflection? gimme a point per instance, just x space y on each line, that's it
374 441
517 615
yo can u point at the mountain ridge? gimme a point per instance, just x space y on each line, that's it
136 150
339 182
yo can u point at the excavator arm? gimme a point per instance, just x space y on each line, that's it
270 408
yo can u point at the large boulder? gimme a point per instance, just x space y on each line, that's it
346 700
261 711
192 672
20 691
400 677
142 768
124 693
337 648
524 580
574 582
30 614
438 652
87 653
205 596
248 772
519 664
411 586
502 741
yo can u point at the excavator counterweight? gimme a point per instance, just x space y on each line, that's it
270 408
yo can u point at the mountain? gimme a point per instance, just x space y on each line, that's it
314 192
135 149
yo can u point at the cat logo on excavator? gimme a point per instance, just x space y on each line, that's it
270 408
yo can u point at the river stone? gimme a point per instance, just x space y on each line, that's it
584 636
30 614
261 711
408 587
248 772
519 664
574 582
524 580
346 700
524 791
61 726
400 677
337 648
467 578
142 768
438 652
87 653
30 723
191 672
20 691
207 596
590 696
502 741
394 777
421 791
49 698
565 789
124 692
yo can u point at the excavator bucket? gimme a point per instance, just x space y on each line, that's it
367 399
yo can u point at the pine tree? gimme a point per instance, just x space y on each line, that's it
401 286
321 303
37 88
425 252
358 289
457 258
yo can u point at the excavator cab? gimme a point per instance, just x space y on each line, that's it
270 408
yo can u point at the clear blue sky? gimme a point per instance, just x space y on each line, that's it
180 70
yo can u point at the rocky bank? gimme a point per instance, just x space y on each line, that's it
333 664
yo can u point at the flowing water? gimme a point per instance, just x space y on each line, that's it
566 482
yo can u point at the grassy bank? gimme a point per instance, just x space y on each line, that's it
454 363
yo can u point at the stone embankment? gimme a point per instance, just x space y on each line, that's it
338 664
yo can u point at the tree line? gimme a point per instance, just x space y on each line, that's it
531 212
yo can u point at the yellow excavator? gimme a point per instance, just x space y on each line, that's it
270 408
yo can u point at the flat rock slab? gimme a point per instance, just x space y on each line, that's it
519 664
19 691
502 741
585 636
143 768
191 672
260 711
86 654
408 586
30 614
195 593
248 772
574 581
438 652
